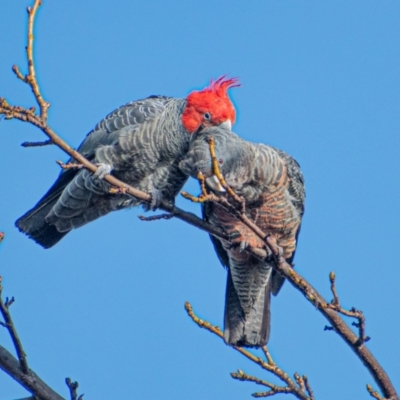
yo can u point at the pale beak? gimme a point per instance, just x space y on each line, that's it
215 184
226 124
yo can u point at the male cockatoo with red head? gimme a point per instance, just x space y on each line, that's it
140 143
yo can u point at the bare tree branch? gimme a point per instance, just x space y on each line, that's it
377 396
353 313
268 365
8 323
73 389
37 144
241 376
30 381
31 77
18 369
378 373
155 217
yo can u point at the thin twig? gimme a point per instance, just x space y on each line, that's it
308 387
18 369
274 389
202 181
155 217
353 313
300 381
195 199
267 355
8 323
69 165
31 77
377 396
220 177
37 144
374 394
268 365
73 389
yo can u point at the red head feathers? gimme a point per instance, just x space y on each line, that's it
210 106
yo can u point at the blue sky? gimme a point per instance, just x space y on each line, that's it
320 80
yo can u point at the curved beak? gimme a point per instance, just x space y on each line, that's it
215 184
226 124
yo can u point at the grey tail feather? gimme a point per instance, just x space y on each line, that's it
33 222
34 225
277 282
250 330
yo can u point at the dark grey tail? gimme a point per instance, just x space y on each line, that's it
33 223
251 330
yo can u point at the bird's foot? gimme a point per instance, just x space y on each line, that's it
276 250
103 170
237 242
156 199
243 246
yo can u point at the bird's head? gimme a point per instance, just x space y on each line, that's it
229 152
210 106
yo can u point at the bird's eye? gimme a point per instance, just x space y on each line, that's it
207 116
221 161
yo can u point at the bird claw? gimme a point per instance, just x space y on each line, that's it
236 239
102 171
272 240
243 246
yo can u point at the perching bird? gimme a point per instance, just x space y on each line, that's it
140 143
272 185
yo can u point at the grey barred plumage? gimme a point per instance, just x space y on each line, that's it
272 185
140 143
146 134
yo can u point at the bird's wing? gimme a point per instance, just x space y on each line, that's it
297 192
130 117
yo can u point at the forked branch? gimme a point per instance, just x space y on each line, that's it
30 78
18 368
292 387
352 313
73 389
9 325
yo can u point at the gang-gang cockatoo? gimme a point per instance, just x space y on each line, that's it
272 185
140 143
